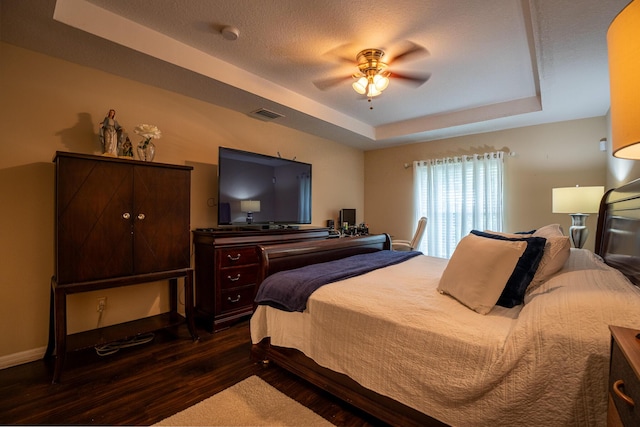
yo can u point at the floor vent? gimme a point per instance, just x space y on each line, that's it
266 115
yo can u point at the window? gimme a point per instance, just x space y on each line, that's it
457 195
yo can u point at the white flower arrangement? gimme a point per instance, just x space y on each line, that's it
147 132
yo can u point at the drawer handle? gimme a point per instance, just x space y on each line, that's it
234 258
234 300
617 389
234 279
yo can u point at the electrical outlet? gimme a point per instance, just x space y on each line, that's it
102 304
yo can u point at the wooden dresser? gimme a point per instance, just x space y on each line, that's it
624 378
118 223
226 269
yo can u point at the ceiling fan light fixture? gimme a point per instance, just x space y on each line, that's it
373 78
373 91
381 82
360 85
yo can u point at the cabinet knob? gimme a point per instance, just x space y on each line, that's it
236 299
141 216
234 258
126 215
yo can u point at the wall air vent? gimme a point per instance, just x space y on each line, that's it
266 115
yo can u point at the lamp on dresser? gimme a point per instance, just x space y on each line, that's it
250 206
578 202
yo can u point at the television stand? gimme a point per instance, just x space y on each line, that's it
226 269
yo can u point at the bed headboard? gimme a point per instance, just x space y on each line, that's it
276 258
618 234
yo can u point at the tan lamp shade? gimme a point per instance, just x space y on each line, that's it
623 41
576 199
250 205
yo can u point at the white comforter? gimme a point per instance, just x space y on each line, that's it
544 363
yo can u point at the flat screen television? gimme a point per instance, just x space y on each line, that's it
259 189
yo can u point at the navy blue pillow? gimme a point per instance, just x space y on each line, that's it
513 292
525 232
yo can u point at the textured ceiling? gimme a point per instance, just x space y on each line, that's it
494 64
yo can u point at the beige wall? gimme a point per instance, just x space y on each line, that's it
49 105
546 156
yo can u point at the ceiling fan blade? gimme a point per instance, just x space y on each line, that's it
325 84
343 53
413 79
413 51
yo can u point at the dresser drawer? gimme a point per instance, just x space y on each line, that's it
623 385
236 299
238 256
233 277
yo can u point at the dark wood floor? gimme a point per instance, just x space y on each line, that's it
145 384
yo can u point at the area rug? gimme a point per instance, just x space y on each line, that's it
251 402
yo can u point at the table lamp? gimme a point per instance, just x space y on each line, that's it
578 202
250 206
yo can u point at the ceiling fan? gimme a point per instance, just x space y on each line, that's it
374 73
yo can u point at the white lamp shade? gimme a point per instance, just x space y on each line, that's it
371 86
623 41
576 199
250 205
360 85
381 82
373 91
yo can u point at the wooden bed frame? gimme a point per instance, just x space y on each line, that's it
618 235
617 241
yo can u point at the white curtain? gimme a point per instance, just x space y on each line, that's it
304 187
457 195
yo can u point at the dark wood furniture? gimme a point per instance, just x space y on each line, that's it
620 248
624 378
617 241
227 266
118 223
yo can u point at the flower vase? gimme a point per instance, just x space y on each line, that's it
146 152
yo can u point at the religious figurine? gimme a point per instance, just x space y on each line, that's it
110 133
127 146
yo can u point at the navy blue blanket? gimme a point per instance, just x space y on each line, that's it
289 290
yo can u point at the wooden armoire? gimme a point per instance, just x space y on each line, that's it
119 222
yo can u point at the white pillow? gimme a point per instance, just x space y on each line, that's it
556 253
551 230
479 269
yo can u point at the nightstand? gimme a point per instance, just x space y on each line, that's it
624 378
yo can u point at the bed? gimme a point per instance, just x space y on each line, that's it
402 345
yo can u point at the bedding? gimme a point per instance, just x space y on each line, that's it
541 363
289 290
523 273
480 270
555 254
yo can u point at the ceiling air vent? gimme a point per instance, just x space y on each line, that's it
266 115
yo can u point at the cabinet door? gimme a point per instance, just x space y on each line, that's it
93 230
161 218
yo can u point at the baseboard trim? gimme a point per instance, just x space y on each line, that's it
27 356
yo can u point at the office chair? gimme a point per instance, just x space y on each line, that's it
411 245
